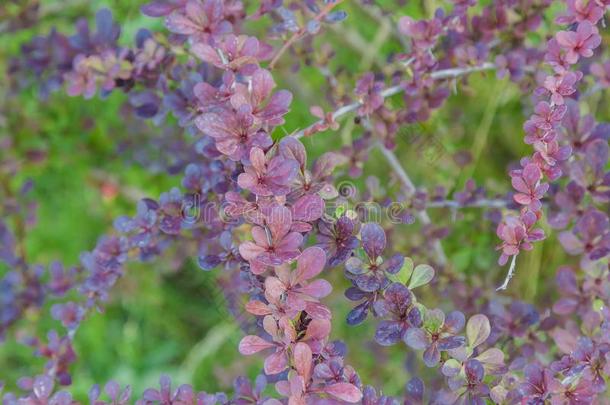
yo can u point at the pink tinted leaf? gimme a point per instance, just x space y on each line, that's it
247 181
565 306
270 325
292 148
519 185
206 53
318 329
252 344
317 289
257 308
258 267
344 391
279 221
157 8
260 236
405 25
274 287
257 159
570 243
283 388
310 264
325 164
531 174
301 227
302 360
308 208
262 85
291 242
317 310
250 251
278 106
178 23
317 111
522 199
566 342
276 363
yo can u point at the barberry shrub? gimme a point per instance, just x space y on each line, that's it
276 126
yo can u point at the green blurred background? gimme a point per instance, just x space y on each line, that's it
167 316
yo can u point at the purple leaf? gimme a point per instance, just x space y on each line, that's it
388 333
451 342
43 386
432 356
310 263
414 391
373 240
158 8
336 16
357 315
417 339
308 208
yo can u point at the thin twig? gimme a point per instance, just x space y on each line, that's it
482 203
509 275
410 190
302 32
391 91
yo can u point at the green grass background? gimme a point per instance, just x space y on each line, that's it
164 317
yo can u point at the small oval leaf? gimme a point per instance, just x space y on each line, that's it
422 275
477 330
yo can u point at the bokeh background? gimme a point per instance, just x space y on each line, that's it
90 162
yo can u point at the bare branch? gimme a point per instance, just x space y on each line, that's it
509 275
409 188
391 91
482 203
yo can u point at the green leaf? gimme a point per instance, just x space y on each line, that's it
451 367
404 274
492 360
598 305
477 330
434 320
339 211
422 275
